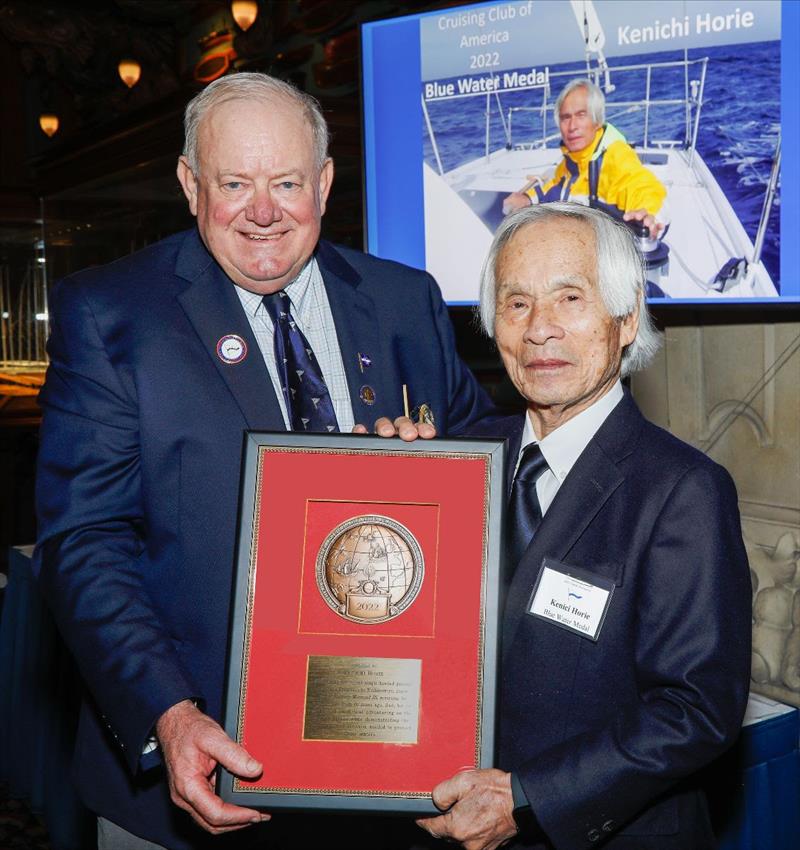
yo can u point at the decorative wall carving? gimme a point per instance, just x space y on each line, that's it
776 619
732 391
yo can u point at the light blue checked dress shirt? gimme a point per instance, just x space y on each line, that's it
312 312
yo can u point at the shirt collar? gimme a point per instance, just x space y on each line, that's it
297 290
562 447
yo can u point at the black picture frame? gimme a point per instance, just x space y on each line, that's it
261 491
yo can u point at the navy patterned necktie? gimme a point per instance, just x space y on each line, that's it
308 401
524 510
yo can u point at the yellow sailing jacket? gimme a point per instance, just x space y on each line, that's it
606 174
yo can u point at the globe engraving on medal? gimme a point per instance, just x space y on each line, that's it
369 569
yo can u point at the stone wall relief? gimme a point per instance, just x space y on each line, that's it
775 574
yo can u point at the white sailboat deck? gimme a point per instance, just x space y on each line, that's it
704 230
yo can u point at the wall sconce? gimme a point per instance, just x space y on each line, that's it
49 124
129 72
244 12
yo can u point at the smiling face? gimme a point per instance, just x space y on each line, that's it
259 196
575 120
558 343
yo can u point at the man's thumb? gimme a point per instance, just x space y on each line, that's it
236 759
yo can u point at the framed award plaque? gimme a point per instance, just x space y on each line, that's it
363 650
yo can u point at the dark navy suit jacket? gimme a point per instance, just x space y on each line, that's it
138 481
606 737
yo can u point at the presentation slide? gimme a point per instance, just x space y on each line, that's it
681 129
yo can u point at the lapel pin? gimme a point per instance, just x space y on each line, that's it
364 361
423 414
367 395
231 349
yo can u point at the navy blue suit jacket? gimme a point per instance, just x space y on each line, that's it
138 480
606 737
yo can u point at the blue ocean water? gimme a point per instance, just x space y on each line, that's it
739 123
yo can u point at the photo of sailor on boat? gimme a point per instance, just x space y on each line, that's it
682 144
599 168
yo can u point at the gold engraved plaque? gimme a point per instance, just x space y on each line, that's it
372 700
369 569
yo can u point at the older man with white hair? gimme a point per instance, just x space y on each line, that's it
158 364
626 631
599 167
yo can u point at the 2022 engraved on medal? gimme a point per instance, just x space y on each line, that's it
369 569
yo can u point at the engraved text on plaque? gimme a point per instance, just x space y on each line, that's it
362 699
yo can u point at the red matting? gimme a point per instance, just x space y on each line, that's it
304 494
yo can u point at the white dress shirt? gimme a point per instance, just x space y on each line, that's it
311 311
562 447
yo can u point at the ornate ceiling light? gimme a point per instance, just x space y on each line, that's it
218 54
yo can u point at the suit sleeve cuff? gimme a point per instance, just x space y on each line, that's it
150 756
524 817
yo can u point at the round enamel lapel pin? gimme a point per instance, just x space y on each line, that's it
231 349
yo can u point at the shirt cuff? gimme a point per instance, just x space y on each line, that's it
150 756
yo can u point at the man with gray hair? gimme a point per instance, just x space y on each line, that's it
626 628
158 364
599 167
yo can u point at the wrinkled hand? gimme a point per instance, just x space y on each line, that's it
515 201
647 220
478 809
193 745
402 427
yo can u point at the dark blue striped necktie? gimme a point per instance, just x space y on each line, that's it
524 510
308 401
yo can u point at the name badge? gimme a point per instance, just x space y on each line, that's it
571 598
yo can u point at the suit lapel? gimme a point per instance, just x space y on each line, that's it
590 483
354 316
214 310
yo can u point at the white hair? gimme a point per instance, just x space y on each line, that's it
595 99
246 86
620 273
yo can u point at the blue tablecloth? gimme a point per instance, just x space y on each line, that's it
39 698
754 790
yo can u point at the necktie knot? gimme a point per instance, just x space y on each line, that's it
531 465
277 304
